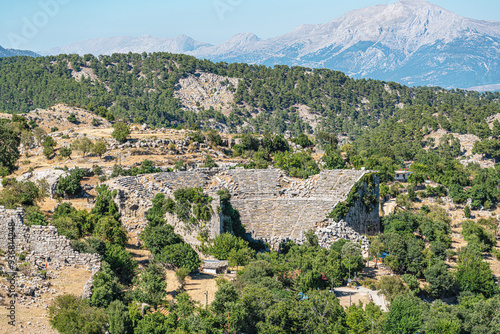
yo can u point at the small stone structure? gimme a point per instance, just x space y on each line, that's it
401 175
214 266
43 242
273 207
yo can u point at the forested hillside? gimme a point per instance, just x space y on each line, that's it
141 87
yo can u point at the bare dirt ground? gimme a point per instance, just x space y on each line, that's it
29 319
197 286
350 295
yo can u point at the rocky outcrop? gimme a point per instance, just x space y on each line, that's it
204 90
50 176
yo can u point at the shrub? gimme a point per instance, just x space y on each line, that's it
467 212
151 285
36 218
83 145
298 164
65 152
441 281
156 238
179 165
96 170
214 137
333 160
109 229
391 287
99 147
228 247
180 255
197 137
181 275
302 140
72 118
120 261
474 234
249 143
67 226
48 146
121 131
70 185
209 162
70 314
473 274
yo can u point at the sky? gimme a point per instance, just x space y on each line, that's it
42 24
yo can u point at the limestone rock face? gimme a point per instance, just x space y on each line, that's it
51 176
206 90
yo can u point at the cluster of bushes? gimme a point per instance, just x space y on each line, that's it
266 98
166 246
287 291
265 293
191 206
275 149
98 231
146 167
70 185
229 247
404 241
299 164
477 236
85 145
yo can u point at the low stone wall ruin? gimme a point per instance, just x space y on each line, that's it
44 243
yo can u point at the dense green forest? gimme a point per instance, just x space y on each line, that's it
141 87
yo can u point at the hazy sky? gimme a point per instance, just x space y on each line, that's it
42 24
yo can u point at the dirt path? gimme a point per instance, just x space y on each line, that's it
375 297
198 286
348 296
389 206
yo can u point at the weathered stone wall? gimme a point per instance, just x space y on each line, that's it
273 207
361 218
43 242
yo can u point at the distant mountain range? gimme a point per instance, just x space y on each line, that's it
14 52
411 41
126 44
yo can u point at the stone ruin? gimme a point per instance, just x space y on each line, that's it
273 207
42 244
